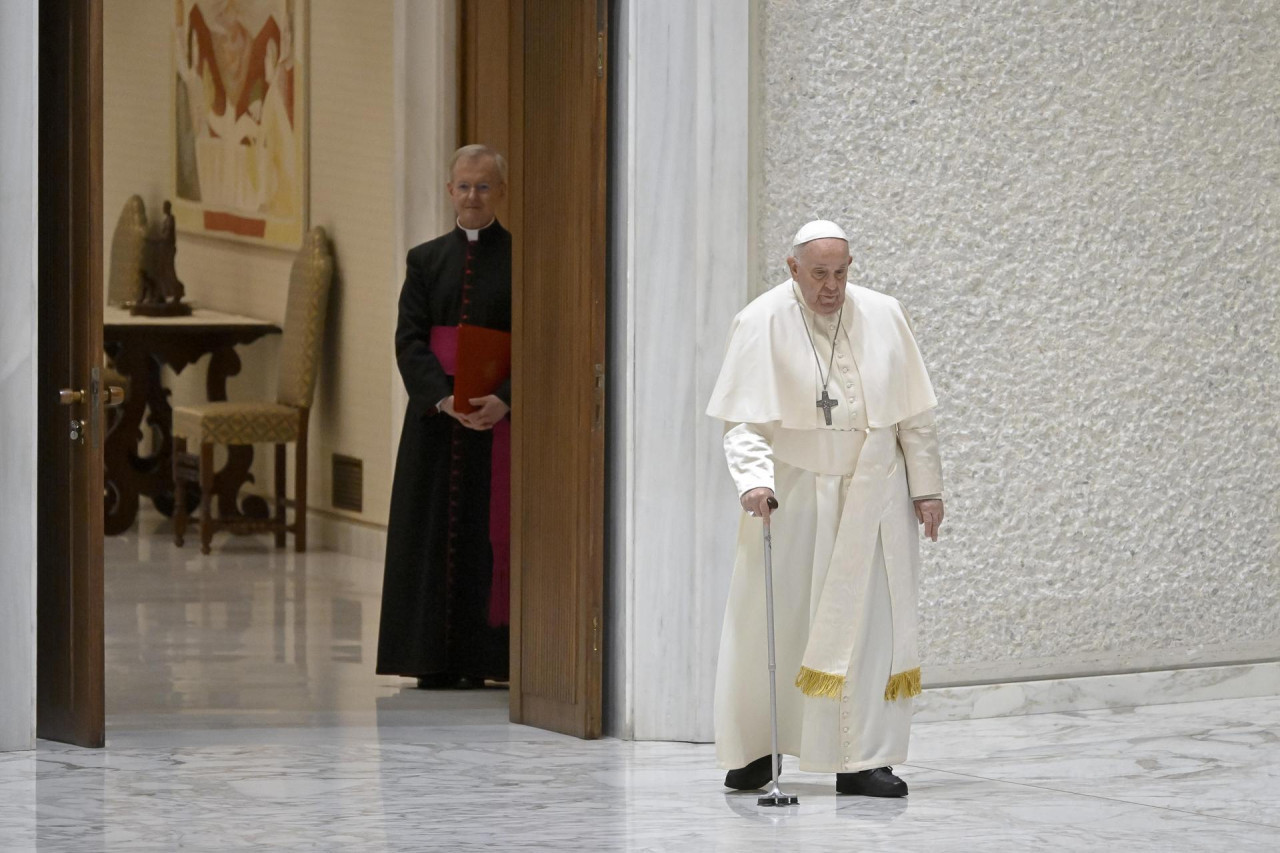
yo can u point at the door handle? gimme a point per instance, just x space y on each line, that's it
114 396
94 397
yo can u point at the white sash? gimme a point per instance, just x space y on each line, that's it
878 480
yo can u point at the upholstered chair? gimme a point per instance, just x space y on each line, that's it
278 423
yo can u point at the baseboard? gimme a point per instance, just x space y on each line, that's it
334 532
1095 692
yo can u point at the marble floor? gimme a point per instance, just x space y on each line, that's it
244 715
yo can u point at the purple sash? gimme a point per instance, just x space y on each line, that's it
444 344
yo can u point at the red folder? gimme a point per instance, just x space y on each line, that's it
484 363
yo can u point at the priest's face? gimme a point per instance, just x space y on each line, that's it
820 268
476 189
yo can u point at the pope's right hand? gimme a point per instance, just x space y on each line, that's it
756 502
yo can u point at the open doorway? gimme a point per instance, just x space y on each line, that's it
241 635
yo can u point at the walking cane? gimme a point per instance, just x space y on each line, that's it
775 797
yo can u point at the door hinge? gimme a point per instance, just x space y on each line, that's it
598 398
595 634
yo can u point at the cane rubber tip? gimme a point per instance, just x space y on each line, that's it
778 800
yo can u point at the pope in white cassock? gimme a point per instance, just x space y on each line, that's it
827 407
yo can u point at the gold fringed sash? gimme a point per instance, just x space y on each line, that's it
825 684
903 685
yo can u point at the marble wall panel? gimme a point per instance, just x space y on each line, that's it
18 99
1078 202
426 134
680 273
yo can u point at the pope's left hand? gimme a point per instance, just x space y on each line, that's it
929 513
489 411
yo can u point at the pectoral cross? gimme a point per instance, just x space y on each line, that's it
827 404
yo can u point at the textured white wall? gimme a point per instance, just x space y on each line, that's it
1078 202
18 36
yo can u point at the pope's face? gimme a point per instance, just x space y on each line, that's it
476 189
820 268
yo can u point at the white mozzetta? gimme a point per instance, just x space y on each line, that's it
18 374
1078 202
680 245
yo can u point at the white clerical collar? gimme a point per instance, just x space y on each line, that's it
473 234
817 319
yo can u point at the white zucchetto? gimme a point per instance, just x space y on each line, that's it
818 229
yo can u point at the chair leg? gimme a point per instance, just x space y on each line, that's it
282 529
179 491
300 491
206 497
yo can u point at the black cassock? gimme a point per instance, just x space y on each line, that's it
443 609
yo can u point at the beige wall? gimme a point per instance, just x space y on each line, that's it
352 155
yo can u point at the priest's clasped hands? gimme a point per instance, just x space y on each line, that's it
491 410
928 512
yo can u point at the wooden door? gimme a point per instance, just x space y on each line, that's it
69 651
533 80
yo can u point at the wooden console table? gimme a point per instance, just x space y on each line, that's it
139 347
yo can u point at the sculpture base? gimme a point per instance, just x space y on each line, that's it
160 309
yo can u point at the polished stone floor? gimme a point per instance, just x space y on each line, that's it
244 715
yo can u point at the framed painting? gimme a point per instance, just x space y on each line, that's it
240 120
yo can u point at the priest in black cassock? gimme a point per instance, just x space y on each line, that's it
445 592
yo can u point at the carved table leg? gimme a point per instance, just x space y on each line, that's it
159 464
121 446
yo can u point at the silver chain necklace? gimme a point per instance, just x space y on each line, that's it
825 402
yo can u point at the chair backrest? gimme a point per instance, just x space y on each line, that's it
304 315
124 279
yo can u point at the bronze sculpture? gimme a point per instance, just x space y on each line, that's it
162 291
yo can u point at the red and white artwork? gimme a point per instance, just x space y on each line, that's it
240 119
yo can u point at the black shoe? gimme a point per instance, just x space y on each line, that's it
879 782
436 681
755 775
466 682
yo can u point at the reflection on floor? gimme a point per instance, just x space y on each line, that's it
244 715
246 637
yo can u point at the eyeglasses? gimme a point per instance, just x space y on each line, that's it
463 188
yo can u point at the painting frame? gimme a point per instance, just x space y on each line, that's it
249 183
